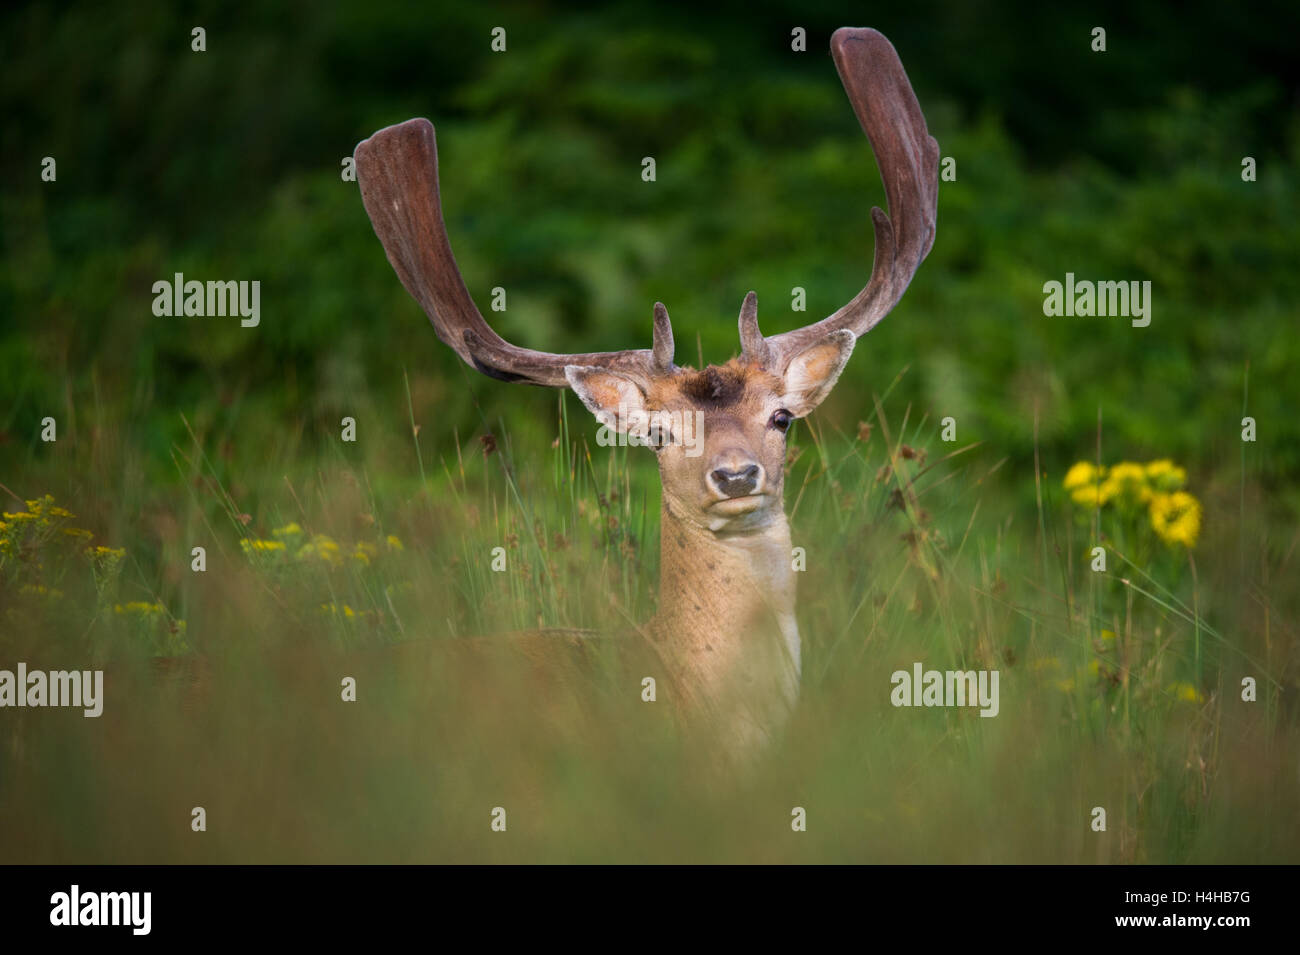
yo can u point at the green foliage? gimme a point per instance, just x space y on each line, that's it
764 182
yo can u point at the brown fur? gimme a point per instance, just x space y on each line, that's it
713 388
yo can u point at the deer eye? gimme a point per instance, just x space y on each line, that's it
781 420
658 434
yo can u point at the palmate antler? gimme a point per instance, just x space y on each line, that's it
908 156
397 170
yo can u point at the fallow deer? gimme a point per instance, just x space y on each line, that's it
726 627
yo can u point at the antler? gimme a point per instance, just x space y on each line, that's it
908 156
397 170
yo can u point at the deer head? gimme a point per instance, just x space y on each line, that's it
731 488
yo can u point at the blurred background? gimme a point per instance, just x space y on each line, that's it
1122 165
225 164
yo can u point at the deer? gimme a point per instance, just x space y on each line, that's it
726 630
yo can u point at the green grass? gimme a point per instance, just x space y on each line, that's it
914 553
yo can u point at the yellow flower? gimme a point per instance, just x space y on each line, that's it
139 608
1128 481
364 551
1165 475
1091 495
78 532
1085 483
325 548
394 543
289 530
1176 518
41 590
1185 693
1082 473
260 546
41 510
105 560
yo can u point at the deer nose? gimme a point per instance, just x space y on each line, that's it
736 483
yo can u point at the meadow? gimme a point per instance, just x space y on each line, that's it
1121 687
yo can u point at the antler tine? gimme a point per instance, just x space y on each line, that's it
753 347
908 156
662 350
397 170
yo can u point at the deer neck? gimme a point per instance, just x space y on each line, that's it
726 609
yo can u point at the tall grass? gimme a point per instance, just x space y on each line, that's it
1119 690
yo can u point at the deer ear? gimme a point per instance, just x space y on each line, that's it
616 400
812 373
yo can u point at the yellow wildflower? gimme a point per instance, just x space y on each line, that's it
289 530
41 590
1082 473
260 546
394 543
1091 495
1164 475
1185 693
364 551
139 608
323 547
1128 481
105 559
1176 518
1085 483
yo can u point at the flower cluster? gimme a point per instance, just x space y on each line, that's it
1156 487
292 540
41 553
19 528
